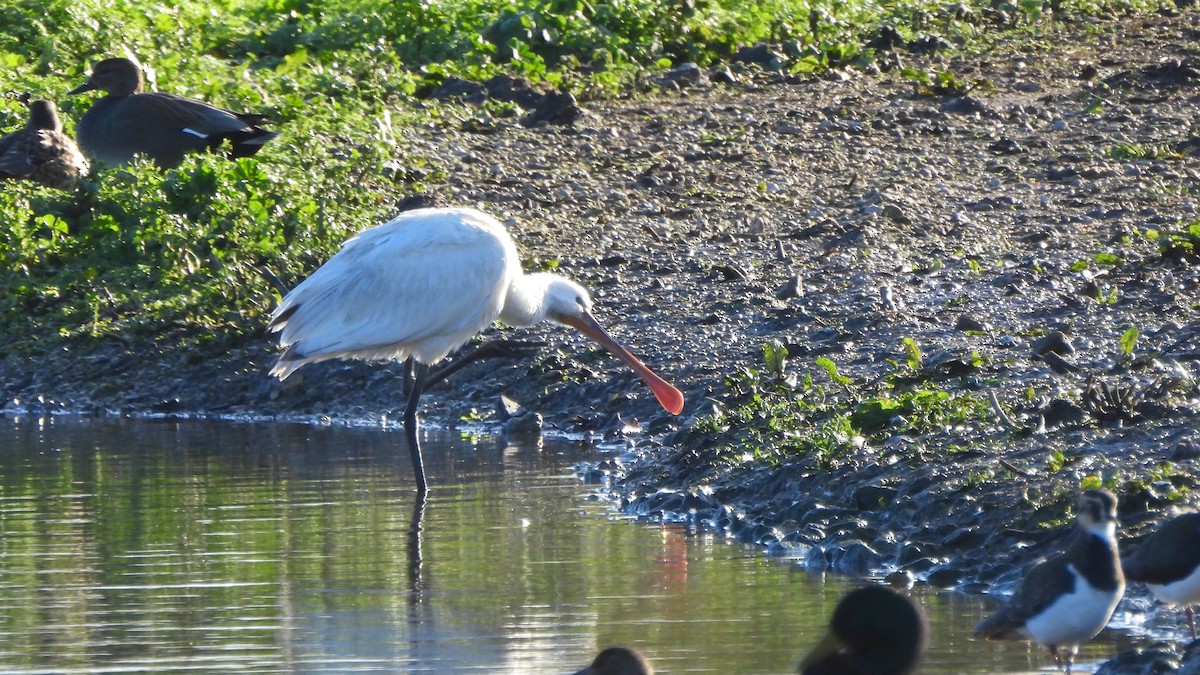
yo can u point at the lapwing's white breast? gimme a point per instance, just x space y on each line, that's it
1075 617
1183 592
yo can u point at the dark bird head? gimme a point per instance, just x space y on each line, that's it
117 77
874 631
43 115
618 661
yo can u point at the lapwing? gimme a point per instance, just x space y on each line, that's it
164 127
1168 562
1065 601
874 631
618 661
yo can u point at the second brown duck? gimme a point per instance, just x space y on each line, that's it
41 152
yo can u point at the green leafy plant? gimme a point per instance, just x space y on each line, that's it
1132 151
793 418
1056 461
775 355
1180 244
912 353
831 370
936 83
1128 341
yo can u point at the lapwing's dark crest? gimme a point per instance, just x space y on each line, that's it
874 631
1168 562
1065 601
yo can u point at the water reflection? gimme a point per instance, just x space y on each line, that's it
133 546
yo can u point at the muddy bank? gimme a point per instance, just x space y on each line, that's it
996 239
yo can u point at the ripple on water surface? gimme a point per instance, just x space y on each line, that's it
158 545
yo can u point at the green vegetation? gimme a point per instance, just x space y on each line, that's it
1099 259
140 253
1132 151
1128 341
779 417
1181 244
940 83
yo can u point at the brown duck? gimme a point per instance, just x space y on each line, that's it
41 152
164 127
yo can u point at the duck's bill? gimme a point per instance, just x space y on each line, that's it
668 396
828 645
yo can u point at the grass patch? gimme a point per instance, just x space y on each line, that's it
139 253
1136 151
777 417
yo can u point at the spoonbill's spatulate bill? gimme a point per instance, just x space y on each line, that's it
421 286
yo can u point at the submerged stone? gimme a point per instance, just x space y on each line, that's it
1153 660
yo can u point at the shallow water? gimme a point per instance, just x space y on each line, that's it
130 546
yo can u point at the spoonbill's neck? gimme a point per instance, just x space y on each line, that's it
529 299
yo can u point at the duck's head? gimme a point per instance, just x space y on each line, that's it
116 76
873 630
43 115
618 661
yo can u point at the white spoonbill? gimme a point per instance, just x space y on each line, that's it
421 286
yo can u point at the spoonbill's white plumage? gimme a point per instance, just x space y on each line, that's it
421 286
